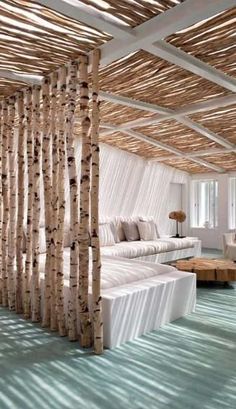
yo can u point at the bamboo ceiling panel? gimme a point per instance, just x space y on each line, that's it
186 165
178 136
131 12
226 161
8 87
212 41
37 40
148 78
221 121
118 114
133 145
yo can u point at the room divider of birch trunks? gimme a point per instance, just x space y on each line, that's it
37 152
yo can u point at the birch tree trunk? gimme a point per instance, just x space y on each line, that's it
54 205
12 206
47 182
85 322
5 194
94 201
61 204
30 195
73 185
36 204
1 199
21 197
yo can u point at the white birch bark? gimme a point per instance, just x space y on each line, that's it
47 184
73 185
85 322
36 126
5 194
12 206
30 195
61 204
21 198
94 201
54 205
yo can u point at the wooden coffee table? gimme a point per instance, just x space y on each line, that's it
209 270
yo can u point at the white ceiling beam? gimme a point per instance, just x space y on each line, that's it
177 18
214 103
186 61
118 99
89 16
206 152
205 132
169 114
151 141
15 76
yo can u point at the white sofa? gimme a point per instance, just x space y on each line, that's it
229 246
162 250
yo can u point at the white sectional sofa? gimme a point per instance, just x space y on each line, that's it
161 250
138 293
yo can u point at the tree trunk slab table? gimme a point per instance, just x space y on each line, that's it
209 270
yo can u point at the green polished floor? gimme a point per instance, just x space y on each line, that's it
189 364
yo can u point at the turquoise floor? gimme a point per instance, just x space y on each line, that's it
189 364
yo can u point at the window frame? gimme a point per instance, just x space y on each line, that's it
195 201
232 203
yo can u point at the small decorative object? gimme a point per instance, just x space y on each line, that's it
179 216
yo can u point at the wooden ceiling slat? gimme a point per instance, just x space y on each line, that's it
127 143
178 136
132 12
148 78
212 41
221 121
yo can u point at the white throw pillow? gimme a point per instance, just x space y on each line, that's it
150 219
131 231
105 235
147 230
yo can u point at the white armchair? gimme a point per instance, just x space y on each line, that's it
229 246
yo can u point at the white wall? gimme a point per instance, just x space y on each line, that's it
130 185
212 238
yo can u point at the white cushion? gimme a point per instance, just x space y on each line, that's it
116 272
133 249
131 231
105 235
147 230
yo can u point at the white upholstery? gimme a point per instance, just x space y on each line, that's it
146 248
137 296
229 246
116 271
106 235
147 230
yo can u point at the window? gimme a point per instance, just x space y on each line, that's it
232 203
204 203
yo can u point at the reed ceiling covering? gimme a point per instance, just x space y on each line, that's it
212 41
177 135
35 40
222 121
146 77
227 161
132 13
127 143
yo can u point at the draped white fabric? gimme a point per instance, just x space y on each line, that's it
131 186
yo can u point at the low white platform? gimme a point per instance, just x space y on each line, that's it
133 310
138 296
